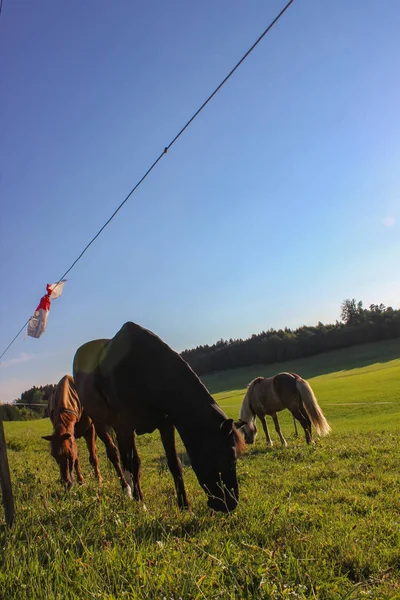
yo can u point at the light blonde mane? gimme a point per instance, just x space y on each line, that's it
247 412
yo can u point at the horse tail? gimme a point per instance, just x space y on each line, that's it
312 407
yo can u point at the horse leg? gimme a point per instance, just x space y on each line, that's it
112 455
78 471
278 429
130 460
264 424
90 439
167 433
304 422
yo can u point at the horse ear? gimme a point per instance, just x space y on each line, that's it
226 426
240 423
48 438
65 436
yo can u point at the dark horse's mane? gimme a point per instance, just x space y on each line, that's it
240 444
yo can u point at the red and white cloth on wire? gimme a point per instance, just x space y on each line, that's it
38 321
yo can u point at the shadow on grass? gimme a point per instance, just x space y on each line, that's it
345 359
161 461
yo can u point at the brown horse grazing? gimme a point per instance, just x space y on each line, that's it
135 384
267 396
70 422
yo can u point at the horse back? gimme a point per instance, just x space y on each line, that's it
285 387
270 395
64 399
137 367
140 378
263 399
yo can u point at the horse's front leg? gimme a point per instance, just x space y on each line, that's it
78 472
264 424
167 432
130 460
278 429
90 439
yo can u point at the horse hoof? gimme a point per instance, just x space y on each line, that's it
128 492
144 507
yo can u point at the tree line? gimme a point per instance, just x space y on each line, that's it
31 405
358 325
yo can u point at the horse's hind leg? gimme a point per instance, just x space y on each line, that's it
264 424
278 429
90 439
304 422
167 433
130 459
112 455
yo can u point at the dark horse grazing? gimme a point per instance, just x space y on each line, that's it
135 383
70 422
267 396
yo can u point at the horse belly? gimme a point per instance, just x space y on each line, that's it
270 400
141 419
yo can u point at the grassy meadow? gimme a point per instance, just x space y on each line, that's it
313 522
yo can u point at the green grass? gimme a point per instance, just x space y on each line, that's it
313 522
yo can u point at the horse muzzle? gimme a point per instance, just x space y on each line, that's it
226 500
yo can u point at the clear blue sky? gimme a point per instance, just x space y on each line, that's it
281 200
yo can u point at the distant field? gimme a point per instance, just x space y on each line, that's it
358 388
313 522
322 364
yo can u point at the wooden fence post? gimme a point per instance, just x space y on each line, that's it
5 480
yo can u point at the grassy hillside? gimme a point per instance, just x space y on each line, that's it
321 364
313 522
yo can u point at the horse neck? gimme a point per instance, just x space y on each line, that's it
201 414
65 423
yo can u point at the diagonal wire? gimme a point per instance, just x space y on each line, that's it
198 111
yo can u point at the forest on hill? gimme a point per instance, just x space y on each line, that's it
358 325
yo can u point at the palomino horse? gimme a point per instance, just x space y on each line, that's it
135 384
267 396
70 422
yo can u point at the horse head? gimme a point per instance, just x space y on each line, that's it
213 459
65 451
248 429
